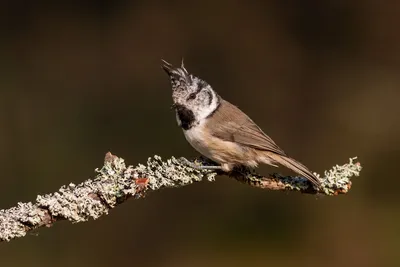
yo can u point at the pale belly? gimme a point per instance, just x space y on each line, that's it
199 140
218 150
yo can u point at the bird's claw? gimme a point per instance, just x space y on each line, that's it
197 165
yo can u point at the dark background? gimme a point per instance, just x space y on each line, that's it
320 77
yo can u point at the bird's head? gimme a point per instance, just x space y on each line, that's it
192 97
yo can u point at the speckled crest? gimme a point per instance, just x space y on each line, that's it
182 83
179 77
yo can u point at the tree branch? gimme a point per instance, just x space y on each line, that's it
115 183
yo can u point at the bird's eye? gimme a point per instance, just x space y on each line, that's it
191 96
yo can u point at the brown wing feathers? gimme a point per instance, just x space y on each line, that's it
237 127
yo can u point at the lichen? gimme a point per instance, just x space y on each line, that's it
170 173
295 183
13 221
92 198
339 176
73 203
115 182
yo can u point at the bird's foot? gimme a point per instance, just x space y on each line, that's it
196 166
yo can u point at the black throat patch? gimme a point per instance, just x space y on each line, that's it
186 116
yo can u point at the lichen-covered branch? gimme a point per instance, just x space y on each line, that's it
115 182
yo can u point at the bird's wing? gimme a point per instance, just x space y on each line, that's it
231 124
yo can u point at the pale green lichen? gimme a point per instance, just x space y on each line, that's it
170 173
115 182
339 176
92 198
14 221
73 203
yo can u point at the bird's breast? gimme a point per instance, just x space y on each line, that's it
199 140
214 148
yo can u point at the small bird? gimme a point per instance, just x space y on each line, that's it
222 132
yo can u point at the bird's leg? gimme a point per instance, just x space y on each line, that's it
199 167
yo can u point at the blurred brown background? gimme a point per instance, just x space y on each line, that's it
320 77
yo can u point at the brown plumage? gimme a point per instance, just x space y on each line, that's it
230 124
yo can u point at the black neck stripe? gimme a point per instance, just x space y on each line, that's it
200 85
210 97
216 108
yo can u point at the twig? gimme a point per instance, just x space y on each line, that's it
115 183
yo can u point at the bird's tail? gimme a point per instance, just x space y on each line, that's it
299 168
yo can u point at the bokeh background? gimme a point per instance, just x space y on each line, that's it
78 79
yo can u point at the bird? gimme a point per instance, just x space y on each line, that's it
222 132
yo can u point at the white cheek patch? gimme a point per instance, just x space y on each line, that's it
205 111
